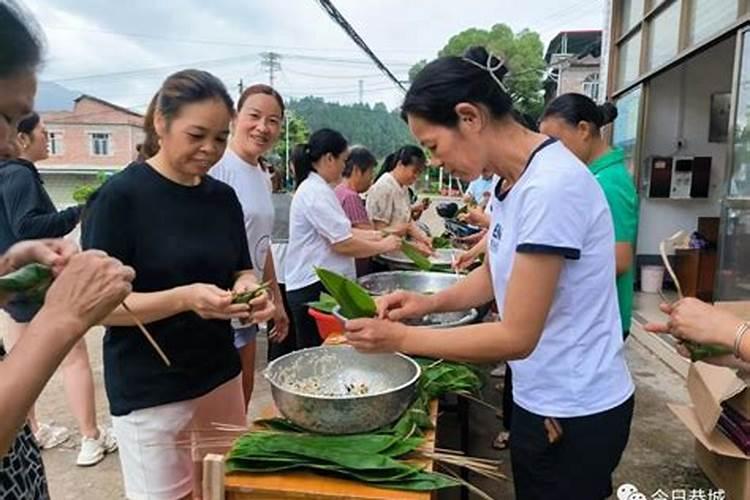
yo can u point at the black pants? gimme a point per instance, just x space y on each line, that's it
289 344
508 398
577 467
306 329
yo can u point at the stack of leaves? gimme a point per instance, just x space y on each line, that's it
371 458
439 377
355 301
30 281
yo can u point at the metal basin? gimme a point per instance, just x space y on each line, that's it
442 259
312 388
420 282
413 281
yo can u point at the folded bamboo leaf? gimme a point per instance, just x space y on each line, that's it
354 300
325 304
415 256
31 280
245 297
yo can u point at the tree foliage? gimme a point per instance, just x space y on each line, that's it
375 127
299 132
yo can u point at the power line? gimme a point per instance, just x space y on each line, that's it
334 14
333 77
229 43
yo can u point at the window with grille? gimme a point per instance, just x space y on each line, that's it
591 86
101 144
55 143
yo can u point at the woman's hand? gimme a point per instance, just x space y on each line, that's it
280 324
476 216
390 244
89 287
401 305
465 259
211 302
695 320
54 253
261 308
423 248
375 335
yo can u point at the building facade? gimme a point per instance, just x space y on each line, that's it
96 136
573 61
679 72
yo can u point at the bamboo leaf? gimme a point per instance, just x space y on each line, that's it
325 304
31 280
415 256
354 300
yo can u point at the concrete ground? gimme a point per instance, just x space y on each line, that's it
659 454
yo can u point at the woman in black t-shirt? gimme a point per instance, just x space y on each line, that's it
183 232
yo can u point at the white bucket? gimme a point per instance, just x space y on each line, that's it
651 278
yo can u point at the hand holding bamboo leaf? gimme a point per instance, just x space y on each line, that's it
354 300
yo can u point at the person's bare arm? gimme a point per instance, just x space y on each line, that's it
87 289
529 297
623 257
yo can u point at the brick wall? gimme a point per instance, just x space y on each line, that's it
72 133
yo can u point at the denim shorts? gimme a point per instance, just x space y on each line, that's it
244 334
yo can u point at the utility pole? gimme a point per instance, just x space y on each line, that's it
286 156
361 91
241 87
272 62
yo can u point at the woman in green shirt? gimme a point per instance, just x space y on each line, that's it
576 120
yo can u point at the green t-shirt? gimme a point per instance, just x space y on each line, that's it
618 187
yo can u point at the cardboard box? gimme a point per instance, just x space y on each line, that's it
709 387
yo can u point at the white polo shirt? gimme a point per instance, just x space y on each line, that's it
316 221
253 187
578 367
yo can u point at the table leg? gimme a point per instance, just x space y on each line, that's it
213 477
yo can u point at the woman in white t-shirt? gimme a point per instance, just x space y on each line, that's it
255 129
551 269
320 233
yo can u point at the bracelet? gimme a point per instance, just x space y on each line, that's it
741 331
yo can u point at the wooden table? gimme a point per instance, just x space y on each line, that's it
299 485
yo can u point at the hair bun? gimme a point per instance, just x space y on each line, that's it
482 57
608 112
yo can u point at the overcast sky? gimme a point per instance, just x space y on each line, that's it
121 50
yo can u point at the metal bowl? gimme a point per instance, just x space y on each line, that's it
420 282
413 281
442 259
391 381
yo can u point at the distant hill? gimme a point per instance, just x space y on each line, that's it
53 97
375 127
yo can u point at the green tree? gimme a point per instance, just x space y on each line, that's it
414 70
523 53
299 132
375 127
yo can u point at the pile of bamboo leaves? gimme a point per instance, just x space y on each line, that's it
383 458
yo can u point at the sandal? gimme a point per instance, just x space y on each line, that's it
502 441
